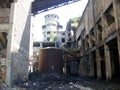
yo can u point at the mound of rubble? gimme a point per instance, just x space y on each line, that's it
51 81
2 86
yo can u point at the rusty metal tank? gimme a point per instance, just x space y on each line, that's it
50 60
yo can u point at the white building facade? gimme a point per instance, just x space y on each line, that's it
52 31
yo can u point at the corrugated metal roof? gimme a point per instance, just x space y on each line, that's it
39 6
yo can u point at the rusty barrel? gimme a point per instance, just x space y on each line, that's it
50 60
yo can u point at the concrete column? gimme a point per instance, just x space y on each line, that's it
82 71
98 64
107 62
118 42
41 45
117 19
80 67
10 45
83 67
91 74
65 65
116 7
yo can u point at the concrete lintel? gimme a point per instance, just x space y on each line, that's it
4 27
93 49
111 37
100 44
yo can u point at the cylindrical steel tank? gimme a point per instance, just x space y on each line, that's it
50 60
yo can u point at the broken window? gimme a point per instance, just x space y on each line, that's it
48 32
63 33
63 39
48 38
109 15
36 44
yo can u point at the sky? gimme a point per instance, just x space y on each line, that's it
65 13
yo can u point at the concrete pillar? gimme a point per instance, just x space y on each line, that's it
80 67
98 64
10 45
82 71
117 20
65 65
118 42
116 7
41 45
107 62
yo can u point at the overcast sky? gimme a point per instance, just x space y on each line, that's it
65 13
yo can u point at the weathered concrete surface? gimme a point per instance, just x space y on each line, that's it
98 27
18 41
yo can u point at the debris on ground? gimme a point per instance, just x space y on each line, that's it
52 81
2 86
57 81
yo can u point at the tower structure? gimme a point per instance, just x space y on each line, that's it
51 27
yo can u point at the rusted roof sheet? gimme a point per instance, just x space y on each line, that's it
39 6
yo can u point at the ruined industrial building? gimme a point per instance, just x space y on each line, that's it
97 38
87 56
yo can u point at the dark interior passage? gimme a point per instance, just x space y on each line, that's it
102 62
73 68
114 57
94 63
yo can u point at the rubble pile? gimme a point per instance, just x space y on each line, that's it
4 87
52 81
